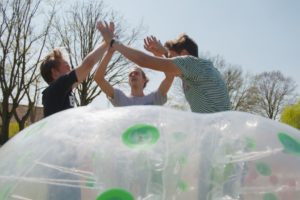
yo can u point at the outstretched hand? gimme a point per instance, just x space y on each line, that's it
154 46
107 30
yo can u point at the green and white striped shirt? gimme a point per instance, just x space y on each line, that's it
203 85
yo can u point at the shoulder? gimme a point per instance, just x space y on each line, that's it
191 60
119 92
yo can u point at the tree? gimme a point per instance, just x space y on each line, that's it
21 46
291 115
274 91
76 31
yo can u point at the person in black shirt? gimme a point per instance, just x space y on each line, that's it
56 71
58 96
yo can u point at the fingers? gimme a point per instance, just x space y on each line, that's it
146 42
104 25
147 48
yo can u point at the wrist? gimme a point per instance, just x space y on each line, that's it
113 42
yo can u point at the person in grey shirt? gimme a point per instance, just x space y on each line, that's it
203 85
137 80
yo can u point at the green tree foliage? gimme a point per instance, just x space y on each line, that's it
291 115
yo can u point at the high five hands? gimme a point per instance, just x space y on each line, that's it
107 30
154 46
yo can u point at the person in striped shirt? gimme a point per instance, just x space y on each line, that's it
203 85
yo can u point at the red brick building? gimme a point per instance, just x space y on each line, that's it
34 116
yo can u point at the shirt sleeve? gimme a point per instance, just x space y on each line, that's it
63 84
118 97
191 67
159 99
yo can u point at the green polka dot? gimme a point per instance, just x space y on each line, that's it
183 186
263 169
5 191
250 143
140 136
182 160
290 144
115 194
90 182
228 171
270 196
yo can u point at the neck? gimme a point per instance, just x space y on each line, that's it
137 92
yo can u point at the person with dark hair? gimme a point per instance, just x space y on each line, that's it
56 71
203 85
137 80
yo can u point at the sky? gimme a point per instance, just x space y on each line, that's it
258 35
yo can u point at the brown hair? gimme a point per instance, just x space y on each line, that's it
51 61
183 42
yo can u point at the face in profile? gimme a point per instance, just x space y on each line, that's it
62 69
136 78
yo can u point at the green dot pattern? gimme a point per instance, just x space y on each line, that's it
183 186
5 191
228 170
263 169
90 183
270 196
290 144
140 136
182 160
250 143
115 194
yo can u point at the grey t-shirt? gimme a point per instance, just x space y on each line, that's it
121 99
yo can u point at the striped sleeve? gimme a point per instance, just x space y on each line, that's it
193 68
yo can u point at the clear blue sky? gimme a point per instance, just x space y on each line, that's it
259 35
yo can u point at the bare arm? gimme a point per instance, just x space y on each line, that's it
89 61
105 86
144 60
166 84
139 57
154 46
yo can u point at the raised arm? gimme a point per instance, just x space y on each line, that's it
136 56
89 61
154 46
105 86
166 84
92 58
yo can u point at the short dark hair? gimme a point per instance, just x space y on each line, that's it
52 60
183 42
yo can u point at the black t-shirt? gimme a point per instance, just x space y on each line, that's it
58 95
